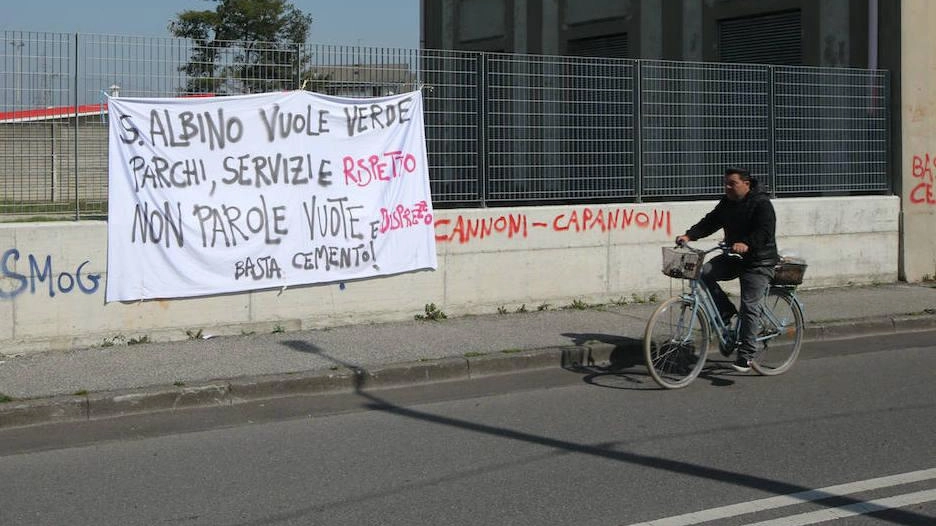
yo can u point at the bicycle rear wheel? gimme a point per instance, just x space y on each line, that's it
783 333
675 343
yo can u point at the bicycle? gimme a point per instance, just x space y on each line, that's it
679 331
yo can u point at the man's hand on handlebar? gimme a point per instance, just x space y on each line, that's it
739 248
735 248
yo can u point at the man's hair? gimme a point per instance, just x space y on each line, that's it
743 173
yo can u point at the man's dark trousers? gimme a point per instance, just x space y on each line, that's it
754 281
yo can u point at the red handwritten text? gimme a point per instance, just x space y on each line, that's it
605 220
365 170
923 170
585 219
402 217
479 228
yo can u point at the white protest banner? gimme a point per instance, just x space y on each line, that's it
227 194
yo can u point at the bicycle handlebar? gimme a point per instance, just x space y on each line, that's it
724 247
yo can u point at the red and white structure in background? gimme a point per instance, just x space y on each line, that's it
66 112
43 114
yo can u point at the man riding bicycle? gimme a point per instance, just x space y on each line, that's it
747 217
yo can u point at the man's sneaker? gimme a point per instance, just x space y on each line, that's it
742 364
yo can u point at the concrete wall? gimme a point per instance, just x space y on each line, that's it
50 297
918 108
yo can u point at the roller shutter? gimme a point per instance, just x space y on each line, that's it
763 39
611 46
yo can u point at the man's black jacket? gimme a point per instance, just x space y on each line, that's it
750 221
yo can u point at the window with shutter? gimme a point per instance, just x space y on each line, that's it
764 39
610 46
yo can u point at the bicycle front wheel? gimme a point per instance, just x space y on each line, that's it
675 343
781 331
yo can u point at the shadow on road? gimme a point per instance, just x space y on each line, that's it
376 403
626 367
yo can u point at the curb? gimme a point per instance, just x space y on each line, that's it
228 392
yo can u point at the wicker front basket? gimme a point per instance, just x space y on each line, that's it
789 271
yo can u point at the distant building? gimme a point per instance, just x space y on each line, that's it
362 80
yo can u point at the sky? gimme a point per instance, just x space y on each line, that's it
380 23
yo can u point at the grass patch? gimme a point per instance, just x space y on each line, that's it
474 354
432 313
138 341
119 339
511 351
543 306
502 310
578 305
194 335
178 383
4 398
521 309
81 392
277 329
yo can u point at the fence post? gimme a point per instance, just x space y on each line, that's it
892 160
638 134
482 128
77 113
298 79
771 131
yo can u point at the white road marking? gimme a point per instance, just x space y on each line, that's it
770 503
860 508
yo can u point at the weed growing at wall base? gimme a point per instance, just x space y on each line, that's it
119 339
432 314
4 398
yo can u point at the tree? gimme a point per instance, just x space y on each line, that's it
243 46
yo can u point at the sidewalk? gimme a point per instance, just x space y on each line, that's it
110 381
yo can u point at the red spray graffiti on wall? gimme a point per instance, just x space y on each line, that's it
922 193
464 229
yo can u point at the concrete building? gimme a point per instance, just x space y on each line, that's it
842 33
873 34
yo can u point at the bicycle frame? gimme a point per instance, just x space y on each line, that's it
675 349
700 298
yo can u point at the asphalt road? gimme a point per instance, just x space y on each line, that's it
855 420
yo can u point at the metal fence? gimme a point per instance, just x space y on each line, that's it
501 129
